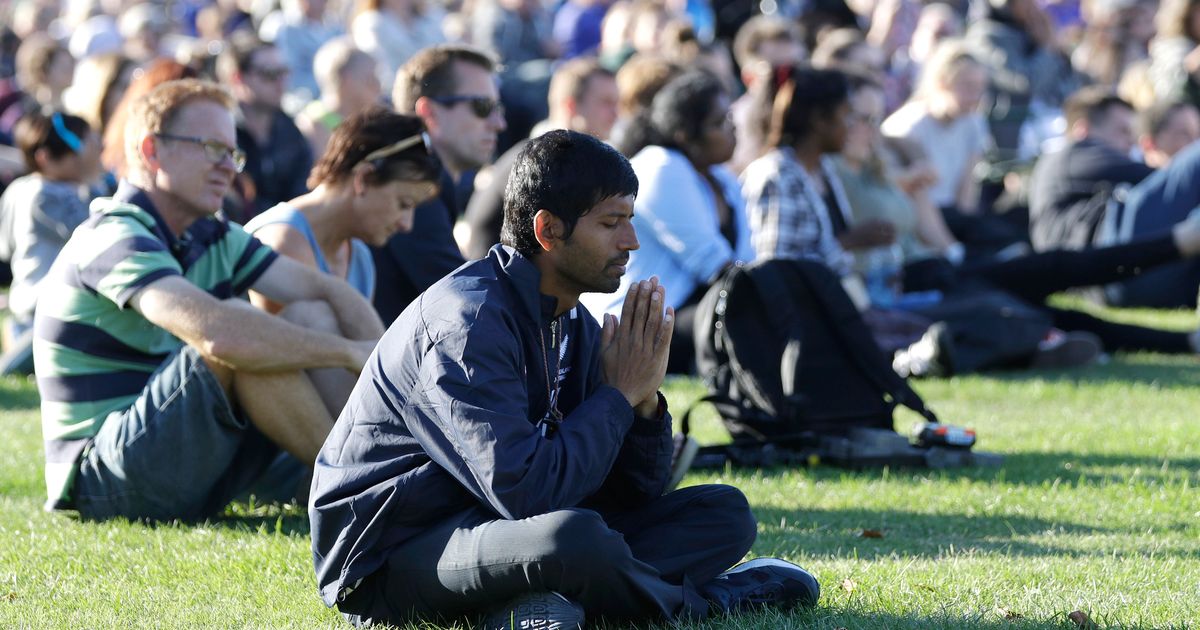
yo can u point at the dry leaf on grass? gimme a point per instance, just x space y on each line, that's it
1008 614
848 585
871 533
1082 620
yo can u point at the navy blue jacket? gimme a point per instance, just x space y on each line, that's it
445 418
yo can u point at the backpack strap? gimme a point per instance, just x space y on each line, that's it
685 424
781 309
833 299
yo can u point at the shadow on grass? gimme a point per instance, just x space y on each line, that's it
839 534
1159 371
835 612
18 393
1095 469
285 520
1022 468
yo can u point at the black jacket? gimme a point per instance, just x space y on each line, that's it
445 418
1070 189
279 167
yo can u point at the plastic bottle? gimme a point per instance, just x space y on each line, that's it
881 274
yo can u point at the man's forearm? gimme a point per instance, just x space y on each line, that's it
356 316
246 338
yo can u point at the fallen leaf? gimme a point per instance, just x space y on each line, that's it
1082 620
1008 614
871 533
848 585
927 587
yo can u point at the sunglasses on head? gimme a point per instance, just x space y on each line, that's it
393 149
481 106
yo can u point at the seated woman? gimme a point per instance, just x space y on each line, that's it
688 214
810 113
38 212
877 189
376 169
364 190
943 118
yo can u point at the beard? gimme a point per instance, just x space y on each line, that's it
589 277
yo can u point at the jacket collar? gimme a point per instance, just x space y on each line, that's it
527 279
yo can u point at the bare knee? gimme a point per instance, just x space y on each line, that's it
222 372
312 314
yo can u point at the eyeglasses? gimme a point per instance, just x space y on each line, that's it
481 106
724 120
393 149
216 152
856 118
271 74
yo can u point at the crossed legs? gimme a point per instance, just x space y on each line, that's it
643 564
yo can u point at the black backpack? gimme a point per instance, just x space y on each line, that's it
788 361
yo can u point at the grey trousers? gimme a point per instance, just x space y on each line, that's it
643 564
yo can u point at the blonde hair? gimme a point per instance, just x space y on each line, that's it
948 60
333 59
155 112
97 76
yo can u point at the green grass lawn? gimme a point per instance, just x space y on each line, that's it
1095 510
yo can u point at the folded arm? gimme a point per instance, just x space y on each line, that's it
236 334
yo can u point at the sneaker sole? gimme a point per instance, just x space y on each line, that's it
549 612
812 586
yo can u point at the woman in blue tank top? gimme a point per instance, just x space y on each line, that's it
375 170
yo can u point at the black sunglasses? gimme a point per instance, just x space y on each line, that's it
271 74
481 106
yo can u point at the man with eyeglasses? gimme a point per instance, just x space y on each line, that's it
278 157
452 88
164 394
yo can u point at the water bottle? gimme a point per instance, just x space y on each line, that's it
881 274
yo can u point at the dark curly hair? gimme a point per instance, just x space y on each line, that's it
567 173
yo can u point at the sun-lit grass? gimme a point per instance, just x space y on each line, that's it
1095 510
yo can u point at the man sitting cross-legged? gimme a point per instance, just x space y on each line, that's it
164 395
503 454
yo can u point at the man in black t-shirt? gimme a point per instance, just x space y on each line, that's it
452 88
1071 188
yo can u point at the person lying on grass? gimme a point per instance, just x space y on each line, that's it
503 455
164 394
376 170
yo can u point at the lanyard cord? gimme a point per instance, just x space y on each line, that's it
550 424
